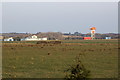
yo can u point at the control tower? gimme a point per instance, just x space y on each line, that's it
93 32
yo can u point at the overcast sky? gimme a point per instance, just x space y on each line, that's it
59 17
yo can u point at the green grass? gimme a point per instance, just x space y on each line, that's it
29 60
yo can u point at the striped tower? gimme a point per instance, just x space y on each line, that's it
93 32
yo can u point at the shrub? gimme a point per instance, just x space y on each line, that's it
77 71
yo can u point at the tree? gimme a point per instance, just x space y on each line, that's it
17 39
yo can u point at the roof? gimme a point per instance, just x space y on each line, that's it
92 28
9 38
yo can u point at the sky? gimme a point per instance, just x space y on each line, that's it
63 17
60 0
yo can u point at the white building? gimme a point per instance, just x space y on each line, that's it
9 39
107 37
45 38
33 38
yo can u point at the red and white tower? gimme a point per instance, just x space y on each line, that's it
93 32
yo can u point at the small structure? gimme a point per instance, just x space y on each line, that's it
87 38
9 39
33 38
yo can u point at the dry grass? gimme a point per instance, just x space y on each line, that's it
30 60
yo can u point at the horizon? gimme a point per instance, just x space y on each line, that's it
60 32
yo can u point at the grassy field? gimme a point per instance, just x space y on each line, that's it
31 60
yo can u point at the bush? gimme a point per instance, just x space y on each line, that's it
77 71
49 42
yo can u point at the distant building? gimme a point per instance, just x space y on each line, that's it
107 37
45 38
33 38
9 39
87 38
